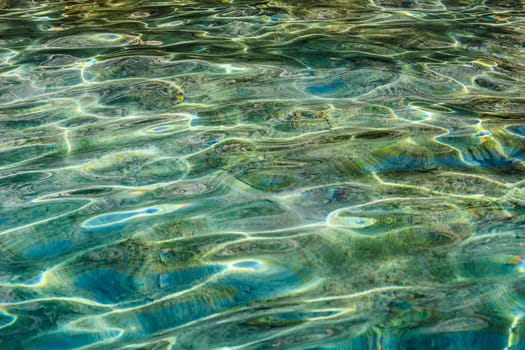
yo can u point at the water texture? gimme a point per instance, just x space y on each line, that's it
262 174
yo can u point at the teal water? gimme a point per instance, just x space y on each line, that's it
262 174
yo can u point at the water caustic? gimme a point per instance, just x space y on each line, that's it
262 174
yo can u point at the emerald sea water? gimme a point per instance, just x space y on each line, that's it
242 174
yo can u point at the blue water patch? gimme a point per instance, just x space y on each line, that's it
403 163
326 89
184 279
407 163
6 319
108 286
447 341
70 340
252 287
454 341
48 249
518 130
478 153
347 84
178 312
231 289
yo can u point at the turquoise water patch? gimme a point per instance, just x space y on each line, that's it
6 319
49 249
109 286
347 84
517 130
68 340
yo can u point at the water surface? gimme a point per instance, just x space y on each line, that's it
262 174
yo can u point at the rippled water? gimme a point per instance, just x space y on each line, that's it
262 174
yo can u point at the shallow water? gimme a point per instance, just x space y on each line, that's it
262 175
